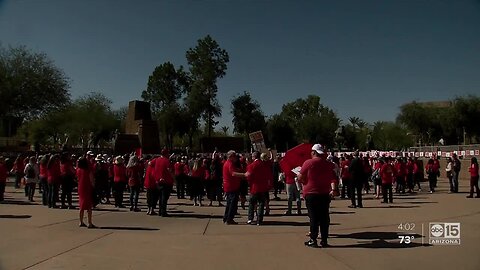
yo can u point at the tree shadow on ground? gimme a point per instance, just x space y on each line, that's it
341 213
419 202
16 216
194 215
379 240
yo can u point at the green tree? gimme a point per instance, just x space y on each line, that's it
207 63
311 120
390 136
225 130
466 117
247 115
280 133
30 84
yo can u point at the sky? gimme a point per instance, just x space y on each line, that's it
363 58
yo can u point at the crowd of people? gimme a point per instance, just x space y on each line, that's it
229 177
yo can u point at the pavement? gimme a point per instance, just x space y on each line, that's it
35 237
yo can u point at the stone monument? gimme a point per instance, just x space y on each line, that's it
141 132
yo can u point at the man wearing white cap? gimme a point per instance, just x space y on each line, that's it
318 178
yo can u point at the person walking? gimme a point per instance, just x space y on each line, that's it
473 170
150 186
318 178
43 178
18 170
31 173
85 191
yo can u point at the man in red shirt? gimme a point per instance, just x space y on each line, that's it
231 187
257 176
318 178
164 179
387 173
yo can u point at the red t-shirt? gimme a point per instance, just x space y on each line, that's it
387 172
149 182
200 172
3 173
258 178
289 178
53 173
119 173
179 168
230 183
318 174
162 171
345 172
43 170
473 170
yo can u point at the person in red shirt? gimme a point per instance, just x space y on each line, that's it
164 180
318 178
474 178
119 181
17 170
346 176
410 181
432 173
134 173
400 168
3 177
258 180
180 177
85 191
418 173
43 178
151 188
231 187
387 173
197 177
67 175
377 178
53 179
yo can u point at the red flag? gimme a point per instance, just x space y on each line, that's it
296 156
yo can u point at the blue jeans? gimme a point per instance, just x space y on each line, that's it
231 207
134 193
52 195
258 198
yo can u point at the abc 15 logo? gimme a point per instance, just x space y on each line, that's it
444 230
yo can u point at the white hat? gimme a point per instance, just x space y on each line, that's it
90 153
99 157
318 148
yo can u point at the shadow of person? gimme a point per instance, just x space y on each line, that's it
382 244
126 228
16 216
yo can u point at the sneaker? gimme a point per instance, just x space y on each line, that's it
91 226
231 222
288 213
249 221
311 243
352 206
82 225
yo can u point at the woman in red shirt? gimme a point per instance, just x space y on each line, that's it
474 178
198 175
53 179
18 168
432 173
119 181
3 177
43 178
134 173
151 187
85 191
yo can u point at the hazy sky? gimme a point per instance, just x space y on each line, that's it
363 58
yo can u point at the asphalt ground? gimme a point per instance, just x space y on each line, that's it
36 237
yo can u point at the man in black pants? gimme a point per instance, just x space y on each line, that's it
318 178
358 179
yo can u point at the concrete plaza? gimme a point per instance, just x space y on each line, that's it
35 237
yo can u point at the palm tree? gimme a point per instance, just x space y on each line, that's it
225 130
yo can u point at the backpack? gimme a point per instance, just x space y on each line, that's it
30 172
